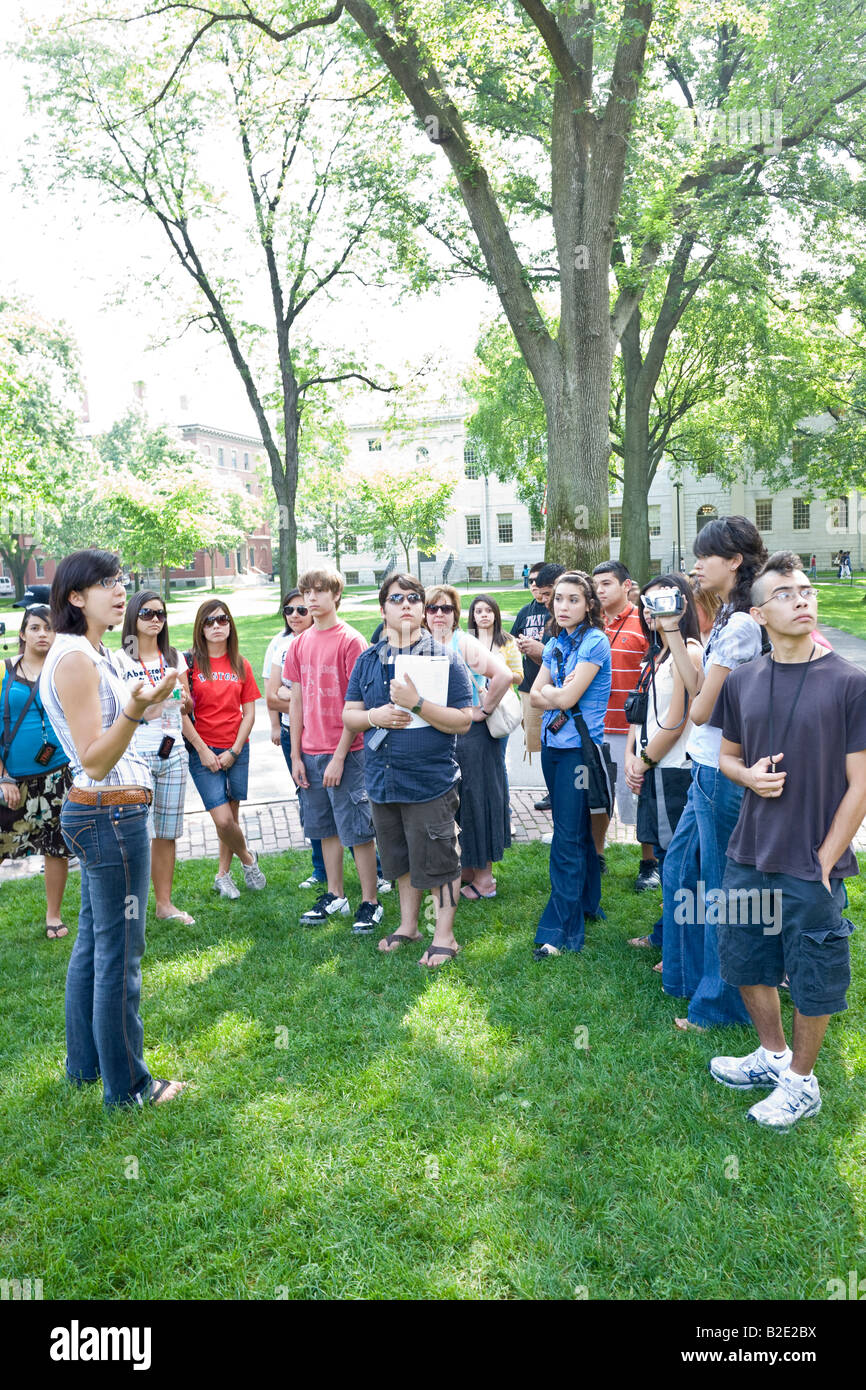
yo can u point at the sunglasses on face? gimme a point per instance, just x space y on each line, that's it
290 609
440 607
217 618
400 599
148 614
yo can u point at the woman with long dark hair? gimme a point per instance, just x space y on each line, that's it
657 765
34 769
146 654
575 670
224 694
104 822
484 622
729 554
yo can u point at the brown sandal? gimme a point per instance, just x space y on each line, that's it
437 951
56 933
399 939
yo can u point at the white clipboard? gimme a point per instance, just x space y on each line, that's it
430 677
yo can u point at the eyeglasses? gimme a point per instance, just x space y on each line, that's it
788 595
149 614
400 599
214 619
290 609
440 607
111 583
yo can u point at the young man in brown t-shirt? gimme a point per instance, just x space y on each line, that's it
794 735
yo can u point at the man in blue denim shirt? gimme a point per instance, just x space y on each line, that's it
412 774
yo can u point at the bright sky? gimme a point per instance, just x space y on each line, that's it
74 261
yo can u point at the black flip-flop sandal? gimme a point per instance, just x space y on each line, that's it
54 933
438 951
397 936
159 1089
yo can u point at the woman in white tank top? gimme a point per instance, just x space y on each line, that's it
104 822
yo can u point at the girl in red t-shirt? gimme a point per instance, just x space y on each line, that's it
224 692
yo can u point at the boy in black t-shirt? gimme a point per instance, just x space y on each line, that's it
794 735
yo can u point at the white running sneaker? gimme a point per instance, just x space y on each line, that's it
324 907
760 1068
793 1099
384 885
312 882
253 876
225 885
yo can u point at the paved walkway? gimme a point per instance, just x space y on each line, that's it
270 814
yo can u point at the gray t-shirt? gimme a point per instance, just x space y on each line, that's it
783 834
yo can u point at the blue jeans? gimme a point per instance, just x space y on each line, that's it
697 854
104 1032
575 873
315 845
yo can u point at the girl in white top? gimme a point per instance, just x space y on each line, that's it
145 654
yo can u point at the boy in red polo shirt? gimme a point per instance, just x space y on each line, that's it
628 650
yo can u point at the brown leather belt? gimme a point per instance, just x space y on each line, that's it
116 796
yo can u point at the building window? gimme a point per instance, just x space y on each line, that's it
654 515
473 574
801 514
537 533
705 513
247 462
40 568
506 529
322 545
764 514
234 458
473 530
252 557
506 573
350 545
472 461
227 559
221 458
248 486
351 576
191 564
374 446
615 522
422 455
837 511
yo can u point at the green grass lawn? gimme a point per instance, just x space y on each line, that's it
359 1128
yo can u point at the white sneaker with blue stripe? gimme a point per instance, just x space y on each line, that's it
760 1068
795 1098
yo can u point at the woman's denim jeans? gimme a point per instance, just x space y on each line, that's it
575 874
695 862
104 1033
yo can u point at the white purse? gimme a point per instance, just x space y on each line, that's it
507 715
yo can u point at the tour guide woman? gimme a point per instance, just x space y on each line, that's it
104 822
575 668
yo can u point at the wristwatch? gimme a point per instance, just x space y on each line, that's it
416 709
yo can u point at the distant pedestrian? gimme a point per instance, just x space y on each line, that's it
813 566
526 576
224 694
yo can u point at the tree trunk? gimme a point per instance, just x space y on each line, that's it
634 547
287 529
212 554
18 557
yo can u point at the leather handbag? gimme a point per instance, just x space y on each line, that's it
507 715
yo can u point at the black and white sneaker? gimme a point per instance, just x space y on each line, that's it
648 876
544 804
328 905
367 917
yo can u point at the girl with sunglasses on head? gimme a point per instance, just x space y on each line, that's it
484 816
34 770
296 619
145 655
729 553
224 694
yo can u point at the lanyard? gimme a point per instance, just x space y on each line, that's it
143 664
806 665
